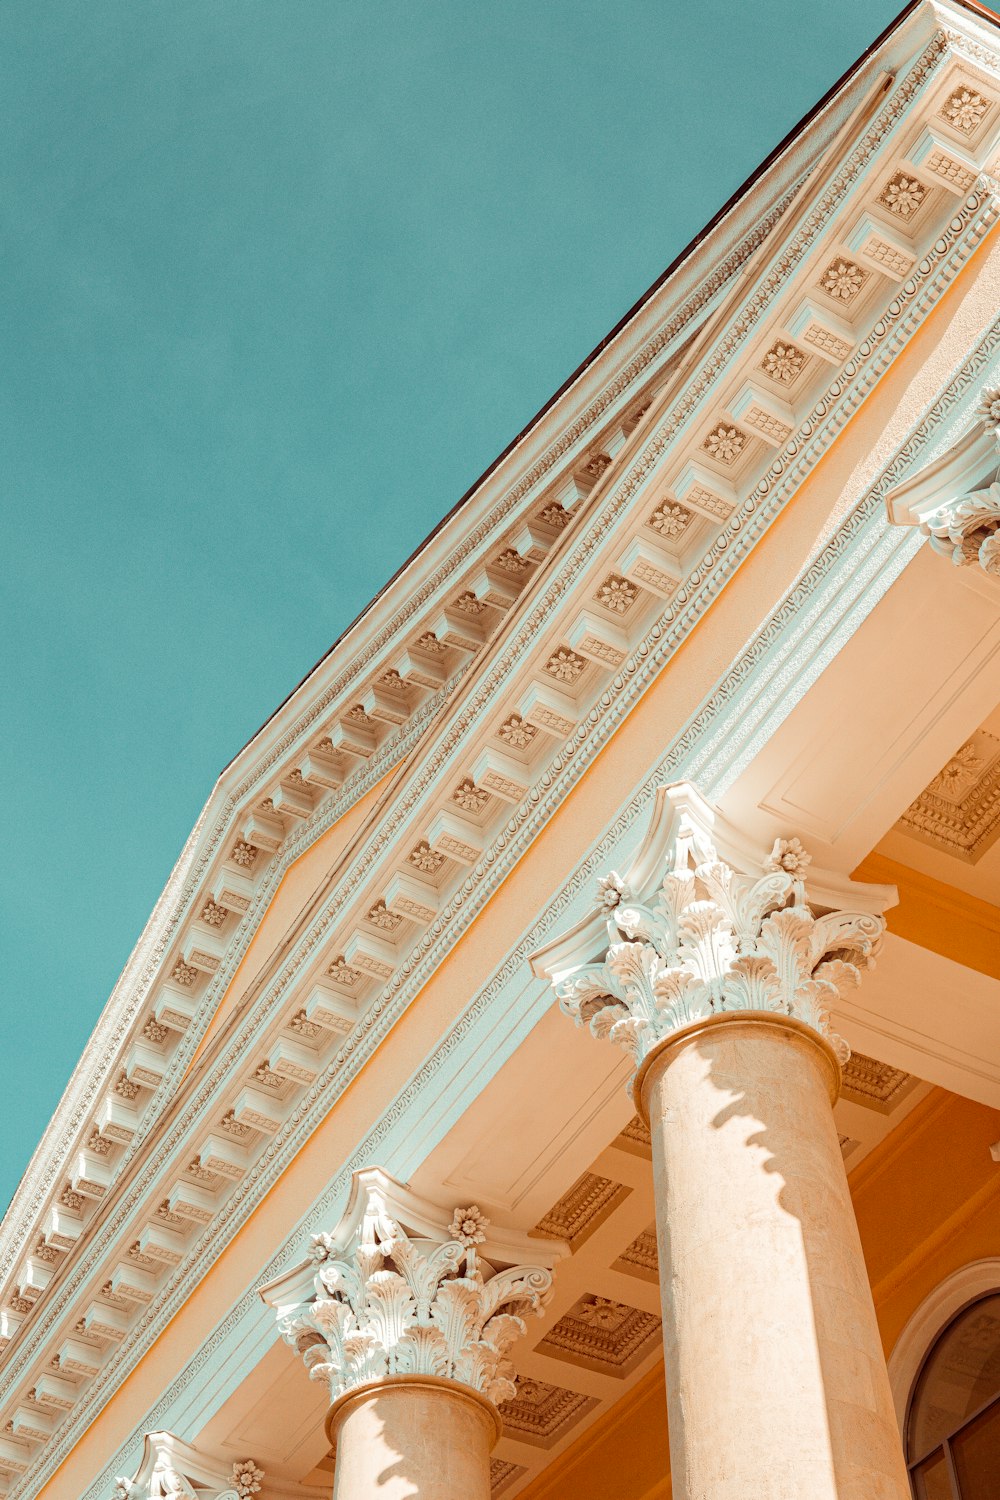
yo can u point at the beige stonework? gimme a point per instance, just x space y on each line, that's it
413 1438
776 1381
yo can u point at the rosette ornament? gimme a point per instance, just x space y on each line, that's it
690 933
402 1287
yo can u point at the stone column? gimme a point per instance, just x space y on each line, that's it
717 979
408 1320
413 1436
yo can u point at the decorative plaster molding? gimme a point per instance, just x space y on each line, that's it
641 1258
875 1084
959 810
598 1331
503 1475
389 1300
582 1208
955 500
689 933
539 1412
831 601
171 1468
636 1136
861 555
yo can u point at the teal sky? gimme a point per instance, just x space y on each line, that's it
279 279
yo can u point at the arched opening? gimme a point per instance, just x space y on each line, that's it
953 1424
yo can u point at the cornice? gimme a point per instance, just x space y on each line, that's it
635 351
764 655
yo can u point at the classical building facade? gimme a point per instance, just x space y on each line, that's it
565 1060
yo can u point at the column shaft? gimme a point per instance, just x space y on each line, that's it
412 1439
776 1380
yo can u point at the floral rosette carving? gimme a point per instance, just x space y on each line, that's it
988 410
247 1478
967 530
713 941
392 1305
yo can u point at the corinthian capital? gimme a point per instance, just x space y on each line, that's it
967 529
172 1470
695 930
403 1287
956 499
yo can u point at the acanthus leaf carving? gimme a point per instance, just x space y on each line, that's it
693 934
173 1470
955 499
967 529
397 1289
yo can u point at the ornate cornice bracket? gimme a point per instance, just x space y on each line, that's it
172 1468
402 1287
955 500
967 529
702 925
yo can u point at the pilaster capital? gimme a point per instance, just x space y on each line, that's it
956 499
403 1287
172 1468
703 924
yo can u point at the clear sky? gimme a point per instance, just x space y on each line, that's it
279 279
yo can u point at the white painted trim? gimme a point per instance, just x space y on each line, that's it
930 1319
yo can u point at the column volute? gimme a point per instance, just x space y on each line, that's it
406 1312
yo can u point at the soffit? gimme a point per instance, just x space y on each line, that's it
916 683
600 1337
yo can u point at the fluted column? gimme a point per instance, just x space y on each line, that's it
717 978
403 1313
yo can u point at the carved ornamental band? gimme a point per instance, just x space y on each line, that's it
378 1300
689 934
